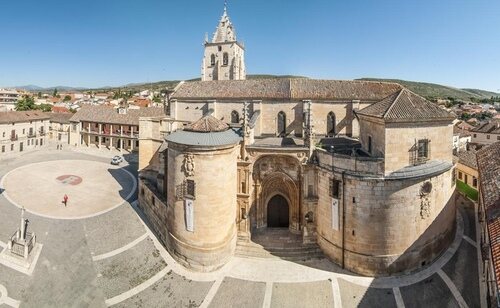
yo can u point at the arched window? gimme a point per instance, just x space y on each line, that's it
281 124
235 117
225 59
212 60
330 124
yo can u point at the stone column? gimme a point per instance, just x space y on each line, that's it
100 132
88 135
110 136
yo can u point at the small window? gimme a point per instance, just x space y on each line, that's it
212 60
235 117
190 189
488 137
498 137
423 148
334 188
96 139
460 176
3 148
474 181
475 136
219 48
420 152
225 59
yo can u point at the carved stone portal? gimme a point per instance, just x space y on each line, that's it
188 165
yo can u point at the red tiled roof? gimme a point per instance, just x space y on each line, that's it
105 114
406 106
286 89
22 116
59 109
488 161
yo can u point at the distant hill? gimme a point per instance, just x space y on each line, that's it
34 88
135 87
430 91
434 91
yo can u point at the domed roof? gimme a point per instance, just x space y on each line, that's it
207 124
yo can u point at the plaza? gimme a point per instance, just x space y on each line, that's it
105 255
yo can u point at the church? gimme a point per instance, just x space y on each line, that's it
362 170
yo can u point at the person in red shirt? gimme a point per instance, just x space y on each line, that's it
65 200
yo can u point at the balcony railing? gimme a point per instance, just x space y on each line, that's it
114 133
31 135
13 138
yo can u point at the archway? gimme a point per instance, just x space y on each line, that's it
278 212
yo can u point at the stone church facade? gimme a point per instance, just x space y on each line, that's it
363 169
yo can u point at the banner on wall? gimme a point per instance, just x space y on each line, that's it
189 213
335 214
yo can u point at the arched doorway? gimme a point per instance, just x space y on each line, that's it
278 212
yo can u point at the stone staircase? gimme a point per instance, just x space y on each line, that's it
276 243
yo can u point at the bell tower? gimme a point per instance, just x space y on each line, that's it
224 57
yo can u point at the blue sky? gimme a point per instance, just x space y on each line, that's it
113 42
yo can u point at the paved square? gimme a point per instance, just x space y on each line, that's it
113 259
92 188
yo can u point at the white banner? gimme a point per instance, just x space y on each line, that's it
335 214
189 214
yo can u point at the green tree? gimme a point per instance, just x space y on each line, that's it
67 98
39 94
54 94
25 103
44 107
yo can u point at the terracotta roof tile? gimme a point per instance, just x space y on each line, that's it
492 127
406 106
207 124
22 116
488 160
468 158
286 89
104 114
60 117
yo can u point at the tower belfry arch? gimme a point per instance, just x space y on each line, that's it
224 57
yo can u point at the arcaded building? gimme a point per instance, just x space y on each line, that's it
363 170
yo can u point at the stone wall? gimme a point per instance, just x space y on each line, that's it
213 240
369 127
154 207
390 226
400 138
266 125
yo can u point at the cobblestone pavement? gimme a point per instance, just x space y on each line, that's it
113 259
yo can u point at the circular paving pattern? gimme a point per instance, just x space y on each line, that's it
92 188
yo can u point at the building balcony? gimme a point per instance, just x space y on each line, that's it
116 134
31 135
13 138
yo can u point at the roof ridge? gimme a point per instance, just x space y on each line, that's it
393 102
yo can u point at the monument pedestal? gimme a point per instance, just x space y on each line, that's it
21 264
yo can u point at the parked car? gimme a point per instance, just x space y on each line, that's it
116 160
